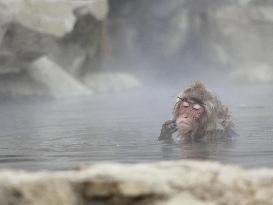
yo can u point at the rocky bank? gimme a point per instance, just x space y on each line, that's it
169 183
54 48
193 36
57 47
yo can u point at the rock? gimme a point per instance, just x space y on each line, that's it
56 81
42 77
111 81
186 199
68 33
261 73
243 39
161 183
5 17
52 17
196 36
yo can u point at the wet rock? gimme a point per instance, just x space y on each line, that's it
197 36
56 81
255 73
245 38
168 183
51 17
68 34
111 81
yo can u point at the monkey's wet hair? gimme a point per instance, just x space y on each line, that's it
196 100
215 112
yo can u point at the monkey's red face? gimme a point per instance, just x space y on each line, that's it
189 112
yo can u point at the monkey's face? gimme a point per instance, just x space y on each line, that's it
188 114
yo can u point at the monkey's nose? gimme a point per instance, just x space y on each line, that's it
185 116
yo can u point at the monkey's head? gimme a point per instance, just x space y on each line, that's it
195 111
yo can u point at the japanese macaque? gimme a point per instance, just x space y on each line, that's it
197 113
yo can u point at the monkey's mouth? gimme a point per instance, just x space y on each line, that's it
183 123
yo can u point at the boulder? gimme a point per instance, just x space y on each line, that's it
56 81
114 81
161 183
47 47
187 36
50 17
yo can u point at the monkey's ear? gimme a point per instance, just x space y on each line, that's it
182 99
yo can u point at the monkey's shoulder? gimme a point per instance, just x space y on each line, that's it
222 132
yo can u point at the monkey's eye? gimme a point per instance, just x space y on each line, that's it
185 104
196 106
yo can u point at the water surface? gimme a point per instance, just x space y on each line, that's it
62 134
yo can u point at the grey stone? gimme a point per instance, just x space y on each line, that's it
55 80
61 39
52 17
161 183
198 36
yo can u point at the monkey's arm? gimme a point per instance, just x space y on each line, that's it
168 128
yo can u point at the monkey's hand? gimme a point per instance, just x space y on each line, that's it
168 128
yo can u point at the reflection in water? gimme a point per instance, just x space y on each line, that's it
45 134
201 150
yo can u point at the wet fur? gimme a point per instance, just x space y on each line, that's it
215 113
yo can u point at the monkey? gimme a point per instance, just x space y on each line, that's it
197 113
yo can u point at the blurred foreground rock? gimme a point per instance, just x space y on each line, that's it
168 183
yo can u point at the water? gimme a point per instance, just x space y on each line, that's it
63 134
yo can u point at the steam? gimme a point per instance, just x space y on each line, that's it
55 80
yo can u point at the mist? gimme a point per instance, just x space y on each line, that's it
229 39
120 45
94 80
